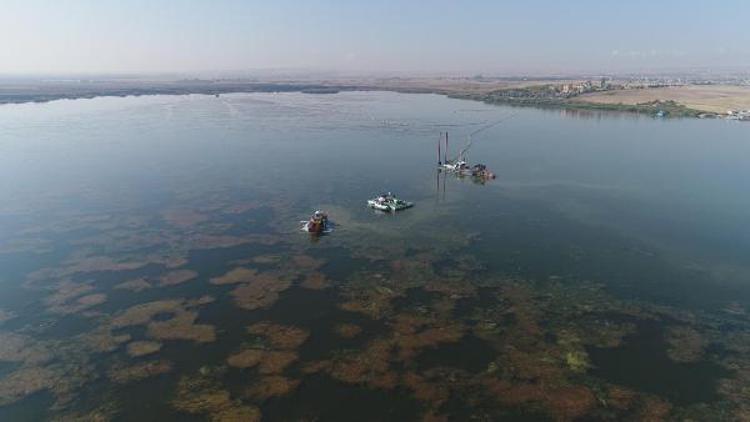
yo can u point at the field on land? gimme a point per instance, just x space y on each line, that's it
711 98
458 86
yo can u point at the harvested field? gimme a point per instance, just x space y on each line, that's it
709 98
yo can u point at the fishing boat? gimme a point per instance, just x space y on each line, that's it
480 171
459 166
318 223
388 202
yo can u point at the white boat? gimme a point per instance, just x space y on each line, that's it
388 202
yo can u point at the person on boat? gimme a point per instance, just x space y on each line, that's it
318 222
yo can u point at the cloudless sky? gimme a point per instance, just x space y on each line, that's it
429 36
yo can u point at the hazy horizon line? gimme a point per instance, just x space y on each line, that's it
311 72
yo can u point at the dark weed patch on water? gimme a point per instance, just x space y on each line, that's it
32 408
642 363
324 399
471 354
415 298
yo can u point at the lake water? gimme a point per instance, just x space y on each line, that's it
152 265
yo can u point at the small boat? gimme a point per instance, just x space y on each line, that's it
318 223
459 166
480 171
388 202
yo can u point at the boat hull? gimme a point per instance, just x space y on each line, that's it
389 207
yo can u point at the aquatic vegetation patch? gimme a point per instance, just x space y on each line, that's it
279 336
271 386
432 392
685 344
179 326
373 301
619 397
19 348
315 281
276 350
413 333
82 264
6 316
235 276
177 277
62 377
103 413
654 409
563 402
182 327
348 330
202 395
184 217
81 304
143 348
65 292
266 259
123 374
261 292
208 241
570 402
102 340
369 366
135 285
275 362
142 314
24 382
246 359
306 262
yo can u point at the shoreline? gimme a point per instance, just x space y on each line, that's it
26 95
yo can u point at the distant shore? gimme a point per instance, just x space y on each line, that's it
684 101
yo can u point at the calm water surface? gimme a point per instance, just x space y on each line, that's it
151 264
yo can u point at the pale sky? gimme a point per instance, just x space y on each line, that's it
493 37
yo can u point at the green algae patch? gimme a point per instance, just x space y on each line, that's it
577 361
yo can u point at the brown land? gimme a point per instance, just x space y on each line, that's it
447 86
709 98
